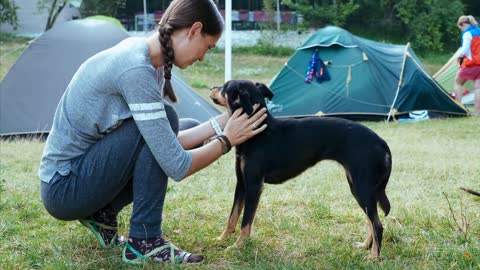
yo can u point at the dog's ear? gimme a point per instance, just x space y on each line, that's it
264 90
246 103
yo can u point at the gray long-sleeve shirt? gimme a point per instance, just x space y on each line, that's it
111 86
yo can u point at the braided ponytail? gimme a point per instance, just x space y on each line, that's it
182 14
165 32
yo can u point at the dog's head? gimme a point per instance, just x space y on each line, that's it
243 94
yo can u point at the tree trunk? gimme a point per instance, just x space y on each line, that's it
53 13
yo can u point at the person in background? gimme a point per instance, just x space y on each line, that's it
469 60
114 137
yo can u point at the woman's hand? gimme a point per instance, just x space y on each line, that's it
240 127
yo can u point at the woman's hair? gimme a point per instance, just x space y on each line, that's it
182 14
468 19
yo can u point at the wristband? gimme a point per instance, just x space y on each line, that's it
226 145
215 126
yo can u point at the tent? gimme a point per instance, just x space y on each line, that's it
368 80
445 76
108 19
33 86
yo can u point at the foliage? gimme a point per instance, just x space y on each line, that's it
102 7
264 48
318 13
53 8
430 23
8 13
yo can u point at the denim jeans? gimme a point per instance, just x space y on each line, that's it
116 171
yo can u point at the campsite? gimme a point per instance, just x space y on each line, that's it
310 222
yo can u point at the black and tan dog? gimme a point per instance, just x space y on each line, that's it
290 146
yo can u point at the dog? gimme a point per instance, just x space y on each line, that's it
267 158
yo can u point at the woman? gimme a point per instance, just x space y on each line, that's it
113 140
469 59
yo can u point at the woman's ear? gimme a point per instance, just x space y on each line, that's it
195 29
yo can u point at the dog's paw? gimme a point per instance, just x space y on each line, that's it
360 245
231 248
225 235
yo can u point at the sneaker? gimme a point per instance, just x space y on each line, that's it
104 224
157 249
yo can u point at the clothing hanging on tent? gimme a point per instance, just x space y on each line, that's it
317 68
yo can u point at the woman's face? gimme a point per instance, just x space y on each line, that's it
190 45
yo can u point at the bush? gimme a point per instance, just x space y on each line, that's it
264 49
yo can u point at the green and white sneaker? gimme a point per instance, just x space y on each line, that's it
138 251
103 225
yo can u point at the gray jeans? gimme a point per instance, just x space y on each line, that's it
116 171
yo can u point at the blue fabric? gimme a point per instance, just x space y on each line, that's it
316 68
475 31
117 170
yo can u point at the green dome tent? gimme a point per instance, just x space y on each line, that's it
368 80
107 19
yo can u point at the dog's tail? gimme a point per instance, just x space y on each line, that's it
381 195
383 202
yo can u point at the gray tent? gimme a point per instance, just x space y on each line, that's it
32 88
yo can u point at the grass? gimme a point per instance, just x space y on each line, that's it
10 49
309 222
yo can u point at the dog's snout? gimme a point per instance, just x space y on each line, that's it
215 88
216 96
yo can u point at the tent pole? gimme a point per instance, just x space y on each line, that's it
228 40
145 16
400 80
278 18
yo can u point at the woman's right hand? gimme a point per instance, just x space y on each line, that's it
240 127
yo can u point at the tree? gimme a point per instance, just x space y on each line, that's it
8 13
431 24
54 8
102 7
317 13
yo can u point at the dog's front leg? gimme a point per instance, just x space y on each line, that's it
238 203
253 191
237 208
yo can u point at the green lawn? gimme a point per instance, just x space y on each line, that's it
10 49
309 222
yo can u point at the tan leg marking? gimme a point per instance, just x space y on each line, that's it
368 241
375 252
232 222
245 232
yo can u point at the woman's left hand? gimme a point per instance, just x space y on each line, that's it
240 127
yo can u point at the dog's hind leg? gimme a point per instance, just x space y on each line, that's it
367 244
364 192
376 230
